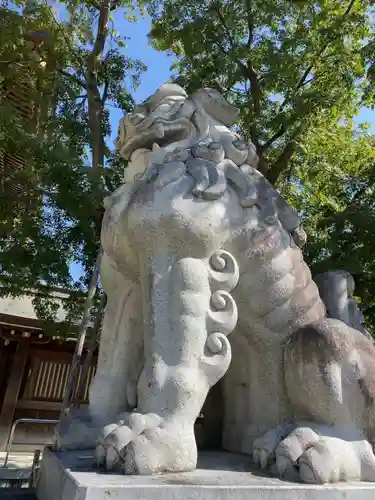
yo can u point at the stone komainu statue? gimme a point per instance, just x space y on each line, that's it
198 245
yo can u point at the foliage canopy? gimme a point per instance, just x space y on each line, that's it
299 71
59 76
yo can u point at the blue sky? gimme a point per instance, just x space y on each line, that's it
158 63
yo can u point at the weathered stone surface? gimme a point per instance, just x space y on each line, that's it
219 476
336 289
198 246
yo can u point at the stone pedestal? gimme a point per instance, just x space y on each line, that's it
220 476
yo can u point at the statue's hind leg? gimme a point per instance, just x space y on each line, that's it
333 405
187 314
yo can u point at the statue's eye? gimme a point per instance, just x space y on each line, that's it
177 105
165 107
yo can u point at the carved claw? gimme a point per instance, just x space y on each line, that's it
284 465
256 456
262 457
264 447
112 445
317 454
148 444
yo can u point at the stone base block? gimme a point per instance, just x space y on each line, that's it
219 476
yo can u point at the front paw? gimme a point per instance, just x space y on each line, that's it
146 444
264 447
332 459
318 454
114 439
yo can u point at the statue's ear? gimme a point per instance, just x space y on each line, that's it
216 106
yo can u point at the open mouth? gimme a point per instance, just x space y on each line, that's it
161 132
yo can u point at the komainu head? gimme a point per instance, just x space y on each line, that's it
171 119
172 134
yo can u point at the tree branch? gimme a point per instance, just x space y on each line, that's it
16 61
274 138
67 41
250 25
300 83
116 4
248 70
100 34
283 160
95 103
224 25
320 53
359 194
255 88
72 77
348 210
80 106
105 92
318 56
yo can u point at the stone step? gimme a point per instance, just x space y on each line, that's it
18 470
17 494
219 476
17 460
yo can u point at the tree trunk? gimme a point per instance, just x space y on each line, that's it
94 99
76 362
95 117
80 392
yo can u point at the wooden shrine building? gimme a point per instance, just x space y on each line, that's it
34 368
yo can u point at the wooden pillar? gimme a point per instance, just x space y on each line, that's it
12 390
4 358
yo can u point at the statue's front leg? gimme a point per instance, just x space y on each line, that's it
188 312
120 363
